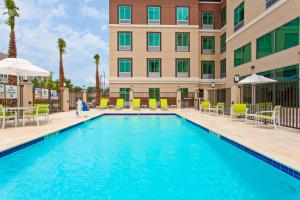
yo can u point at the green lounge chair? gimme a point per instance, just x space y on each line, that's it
103 104
164 104
120 104
238 110
152 104
205 106
136 104
4 116
38 110
272 116
219 108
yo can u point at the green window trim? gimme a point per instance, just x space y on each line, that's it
154 93
125 14
125 66
182 15
182 41
154 15
124 94
124 41
154 65
154 41
239 16
242 55
208 45
208 69
182 67
282 38
223 43
208 20
223 68
223 17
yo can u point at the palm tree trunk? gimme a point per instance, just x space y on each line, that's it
61 72
97 100
12 49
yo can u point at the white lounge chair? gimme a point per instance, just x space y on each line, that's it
272 116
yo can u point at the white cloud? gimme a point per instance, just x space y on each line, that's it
93 12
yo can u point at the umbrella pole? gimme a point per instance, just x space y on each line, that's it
18 91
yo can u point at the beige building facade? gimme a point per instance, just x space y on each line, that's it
195 47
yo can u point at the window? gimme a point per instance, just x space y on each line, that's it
269 3
208 45
154 68
282 38
153 41
242 55
208 69
223 68
182 41
124 41
184 94
153 15
283 74
154 93
124 94
239 17
223 17
207 20
124 14
182 67
125 66
182 14
223 42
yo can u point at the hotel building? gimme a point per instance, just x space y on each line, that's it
199 48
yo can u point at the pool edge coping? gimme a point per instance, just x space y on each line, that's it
291 171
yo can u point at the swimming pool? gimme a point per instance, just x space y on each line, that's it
140 157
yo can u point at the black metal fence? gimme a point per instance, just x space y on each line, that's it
53 98
221 96
73 98
267 96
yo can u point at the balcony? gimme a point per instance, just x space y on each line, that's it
124 21
182 48
269 3
154 74
182 22
182 74
208 51
124 48
154 48
208 26
208 76
154 22
239 25
124 74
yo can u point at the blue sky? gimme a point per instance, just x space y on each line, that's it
82 23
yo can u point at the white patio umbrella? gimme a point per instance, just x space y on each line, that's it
253 80
20 67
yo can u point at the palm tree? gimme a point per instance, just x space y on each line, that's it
12 11
97 61
61 45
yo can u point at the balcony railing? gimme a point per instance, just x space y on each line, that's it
125 48
239 25
223 75
182 22
153 74
153 48
269 3
223 49
208 51
208 76
153 21
124 21
208 26
182 48
124 74
182 74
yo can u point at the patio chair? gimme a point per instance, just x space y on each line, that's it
164 104
205 106
120 104
4 116
136 104
103 104
219 108
238 110
272 116
152 104
38 110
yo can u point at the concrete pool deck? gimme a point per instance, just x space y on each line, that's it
280 144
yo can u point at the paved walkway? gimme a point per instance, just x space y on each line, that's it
280 144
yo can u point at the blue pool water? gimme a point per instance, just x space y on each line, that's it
140 157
